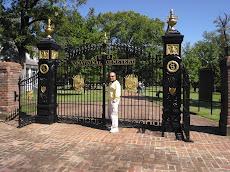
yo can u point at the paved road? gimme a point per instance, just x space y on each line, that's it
71 147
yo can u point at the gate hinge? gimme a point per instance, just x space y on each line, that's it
15 96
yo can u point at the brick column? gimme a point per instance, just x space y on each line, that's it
9 75
224 122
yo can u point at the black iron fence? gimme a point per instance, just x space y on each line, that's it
12 115
82 81
28 88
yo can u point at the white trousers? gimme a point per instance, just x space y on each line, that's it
113 112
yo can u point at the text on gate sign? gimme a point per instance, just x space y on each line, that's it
108 62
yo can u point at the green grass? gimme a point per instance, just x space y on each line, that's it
28 105
205 107
28 108
150 93
73 96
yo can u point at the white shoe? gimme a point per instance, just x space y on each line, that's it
114 130
110 128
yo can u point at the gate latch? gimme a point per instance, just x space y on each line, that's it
15 96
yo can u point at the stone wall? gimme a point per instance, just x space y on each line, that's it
9 75
224 123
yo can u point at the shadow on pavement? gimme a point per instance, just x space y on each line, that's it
206 129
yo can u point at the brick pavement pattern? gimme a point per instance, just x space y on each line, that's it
71 147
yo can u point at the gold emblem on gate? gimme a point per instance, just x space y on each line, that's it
78 83
172 49
43 89
131 83
44 68
30 94
44 54
172 91
172 66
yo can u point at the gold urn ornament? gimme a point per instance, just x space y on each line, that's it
78 83
131 83
172 20
49 28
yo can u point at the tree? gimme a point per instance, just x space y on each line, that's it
75 30
223 28
209 51
192 64
203 54
134 29
21 22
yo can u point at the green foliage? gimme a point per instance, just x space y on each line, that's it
21 22
132 28
139 30
209 51
192 63
223 35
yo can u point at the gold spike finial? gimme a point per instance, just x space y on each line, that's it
172 20
105 38
49 28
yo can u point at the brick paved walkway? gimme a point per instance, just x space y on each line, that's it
70 147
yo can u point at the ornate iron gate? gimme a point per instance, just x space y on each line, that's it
82 79
28 91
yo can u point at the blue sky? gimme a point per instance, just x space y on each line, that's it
195 16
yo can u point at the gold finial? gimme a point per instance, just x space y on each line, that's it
172 20
49 29
105 38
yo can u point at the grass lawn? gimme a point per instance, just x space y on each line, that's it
150 93
73 96
205 107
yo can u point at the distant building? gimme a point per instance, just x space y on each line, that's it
30 66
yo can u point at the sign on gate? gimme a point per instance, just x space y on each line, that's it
98 62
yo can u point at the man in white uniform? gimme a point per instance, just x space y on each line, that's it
114 93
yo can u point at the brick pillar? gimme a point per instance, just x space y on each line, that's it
9 75
224 122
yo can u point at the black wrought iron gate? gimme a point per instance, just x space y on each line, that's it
82 79
28 91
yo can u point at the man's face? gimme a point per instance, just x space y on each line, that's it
112 76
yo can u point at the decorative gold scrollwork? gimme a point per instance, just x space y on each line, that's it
172 66
78 83
172 49
44 68
54 54
131 83
44 54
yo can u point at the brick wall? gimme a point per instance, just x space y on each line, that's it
224 123
9 74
